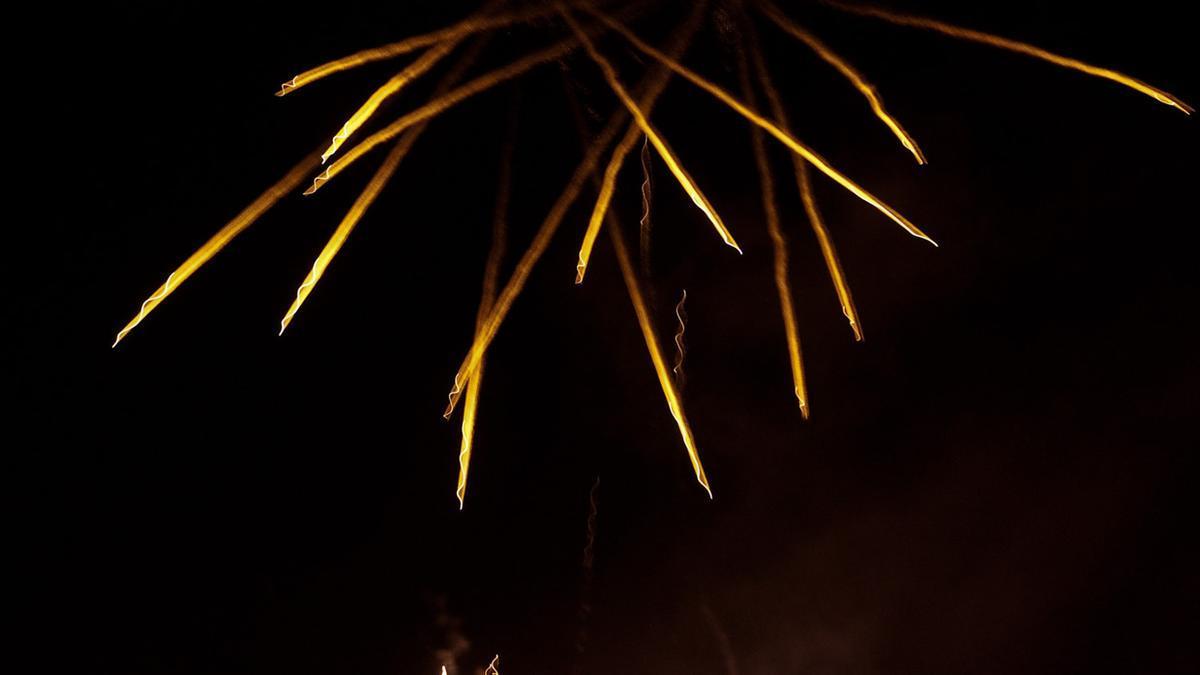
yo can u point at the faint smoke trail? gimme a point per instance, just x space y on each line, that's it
456 644
644 240
585 589
680 347
723 644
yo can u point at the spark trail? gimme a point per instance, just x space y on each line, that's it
664 151
787 305
585 588
462 29
444 102
654 83
491 275
680 347
848 71
368 196
491 669
784 137
804 184
221 239
1012 46
644 223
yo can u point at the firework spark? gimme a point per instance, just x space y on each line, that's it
644 223
1012 46
680 347
787 305
491 669
848 71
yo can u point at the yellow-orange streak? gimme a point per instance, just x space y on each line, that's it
848 71
1012 46
680 347
443 102
491 276
669 158
607 187
369 194
218 241
778 244
390 88
784 137
656 357
804 184
462 29
654 83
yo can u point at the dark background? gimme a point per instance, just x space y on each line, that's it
997 481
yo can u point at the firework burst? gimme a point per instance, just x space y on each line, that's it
577 26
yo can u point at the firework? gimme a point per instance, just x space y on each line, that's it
633 116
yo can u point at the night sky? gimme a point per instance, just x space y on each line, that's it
998 480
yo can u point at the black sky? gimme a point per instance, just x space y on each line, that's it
997 481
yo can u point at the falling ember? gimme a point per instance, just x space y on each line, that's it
848 71
680 347
787 305
1012 46
784 137
219 240
644 223
685 180
491 669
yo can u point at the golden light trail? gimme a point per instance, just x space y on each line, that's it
491 669
669 158
607 187
680 347
417 68
660 366
856 78
443 102
784 137
491 276
804 184
369 194
654 83
462 29
787 306
1012 46
226 234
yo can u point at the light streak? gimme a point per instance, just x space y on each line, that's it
664 151
787 306
607 187
848 71
680 347
491 275
660 367
1012 46
226 234
369 194
491 669
804 184
784 137
653 85
462 29
444 102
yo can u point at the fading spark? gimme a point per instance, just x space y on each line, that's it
848 71
664 151
680 347
1012 46
491 669
784 137
644 222
783 287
